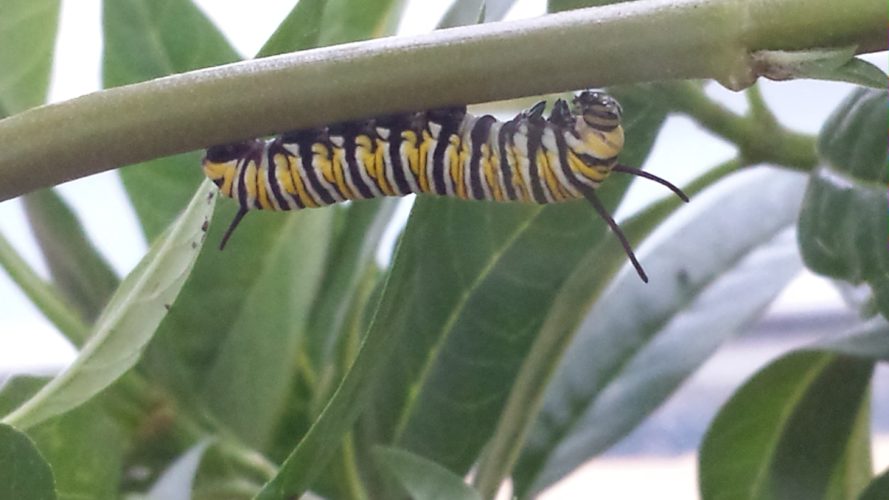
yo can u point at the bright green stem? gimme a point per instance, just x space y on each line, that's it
760 139
42 294
621 43
577 294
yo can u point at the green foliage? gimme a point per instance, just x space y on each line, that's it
510 338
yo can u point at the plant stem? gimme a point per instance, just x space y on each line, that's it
759 138
42 294
628 42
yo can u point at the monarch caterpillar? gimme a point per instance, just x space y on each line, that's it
446 152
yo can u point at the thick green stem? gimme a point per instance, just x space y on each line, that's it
760 139
621 43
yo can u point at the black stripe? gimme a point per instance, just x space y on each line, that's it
503 140
272 172
449 119
242 187
592 161
535 133
479 137
306 157
563 160
355 168
401 186
277 149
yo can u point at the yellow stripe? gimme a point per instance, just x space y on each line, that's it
463 157
423 156
380 166
321 161
548 176
486 164
285 180
517 180
228 180
337 165
578 166
409 146
297 179
263 197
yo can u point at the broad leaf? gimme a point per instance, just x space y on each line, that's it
27 37
85 448
422 478
842 228
23 471
714 271
129 320
145 39
784 434
878 489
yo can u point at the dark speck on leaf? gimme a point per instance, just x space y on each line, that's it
194 245
167 307
205 225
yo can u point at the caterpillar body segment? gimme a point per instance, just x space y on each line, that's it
445 152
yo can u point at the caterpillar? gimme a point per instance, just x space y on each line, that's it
446 152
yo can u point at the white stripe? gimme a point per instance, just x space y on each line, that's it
551 148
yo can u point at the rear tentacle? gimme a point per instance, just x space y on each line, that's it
231 227
590 195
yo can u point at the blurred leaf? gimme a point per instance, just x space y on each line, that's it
27 38
249 381
424 479
716 271
878 489
85 449
786 433
466 12
871 340
18 389
175 483
145 39
129 320
842 228
299 30
351 251
23 471
833 64
353 20
78 270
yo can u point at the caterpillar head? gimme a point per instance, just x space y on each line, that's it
600 111
222 161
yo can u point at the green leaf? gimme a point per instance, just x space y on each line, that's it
353 20
78 270
788 432
129 320
175 483
560 5
351 250
145 39
466 12
85 448
842 229
17 389
298 31
833 64
27 39
23 471
878 489
249 381
422 478
713 273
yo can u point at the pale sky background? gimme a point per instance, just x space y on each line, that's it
29 343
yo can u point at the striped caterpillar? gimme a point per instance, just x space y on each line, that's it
446 152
